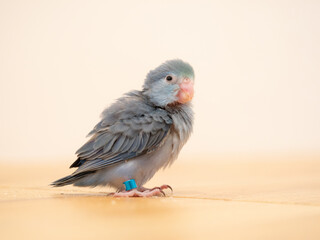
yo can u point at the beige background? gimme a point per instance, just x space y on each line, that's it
255 150
256 63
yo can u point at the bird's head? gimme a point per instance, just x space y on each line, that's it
170 83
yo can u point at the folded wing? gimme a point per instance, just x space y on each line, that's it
122 140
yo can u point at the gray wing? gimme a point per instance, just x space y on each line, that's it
123 139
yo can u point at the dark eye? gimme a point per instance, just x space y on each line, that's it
168 78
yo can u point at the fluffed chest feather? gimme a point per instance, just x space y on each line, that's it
181 129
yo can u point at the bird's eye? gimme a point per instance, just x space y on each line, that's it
168 78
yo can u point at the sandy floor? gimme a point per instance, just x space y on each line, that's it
268 198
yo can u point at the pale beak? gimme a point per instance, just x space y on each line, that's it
186 91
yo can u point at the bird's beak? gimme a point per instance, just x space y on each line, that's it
186 91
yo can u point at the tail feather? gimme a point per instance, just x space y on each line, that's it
70 179
77 163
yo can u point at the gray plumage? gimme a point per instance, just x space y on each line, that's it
140 133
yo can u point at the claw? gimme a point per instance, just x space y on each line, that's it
162 188
163 193
166 186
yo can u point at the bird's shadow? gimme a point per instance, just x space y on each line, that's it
74 195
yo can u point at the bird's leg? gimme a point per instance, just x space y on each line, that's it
142 192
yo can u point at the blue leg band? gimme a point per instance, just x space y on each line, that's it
130 184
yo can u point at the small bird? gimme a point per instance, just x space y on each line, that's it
140 133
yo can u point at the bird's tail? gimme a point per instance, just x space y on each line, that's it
70 179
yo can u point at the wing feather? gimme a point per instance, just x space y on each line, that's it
126 134
118 144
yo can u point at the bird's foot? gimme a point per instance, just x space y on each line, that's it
136 193
163 187
143 192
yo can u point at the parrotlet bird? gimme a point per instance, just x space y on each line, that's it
140 133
